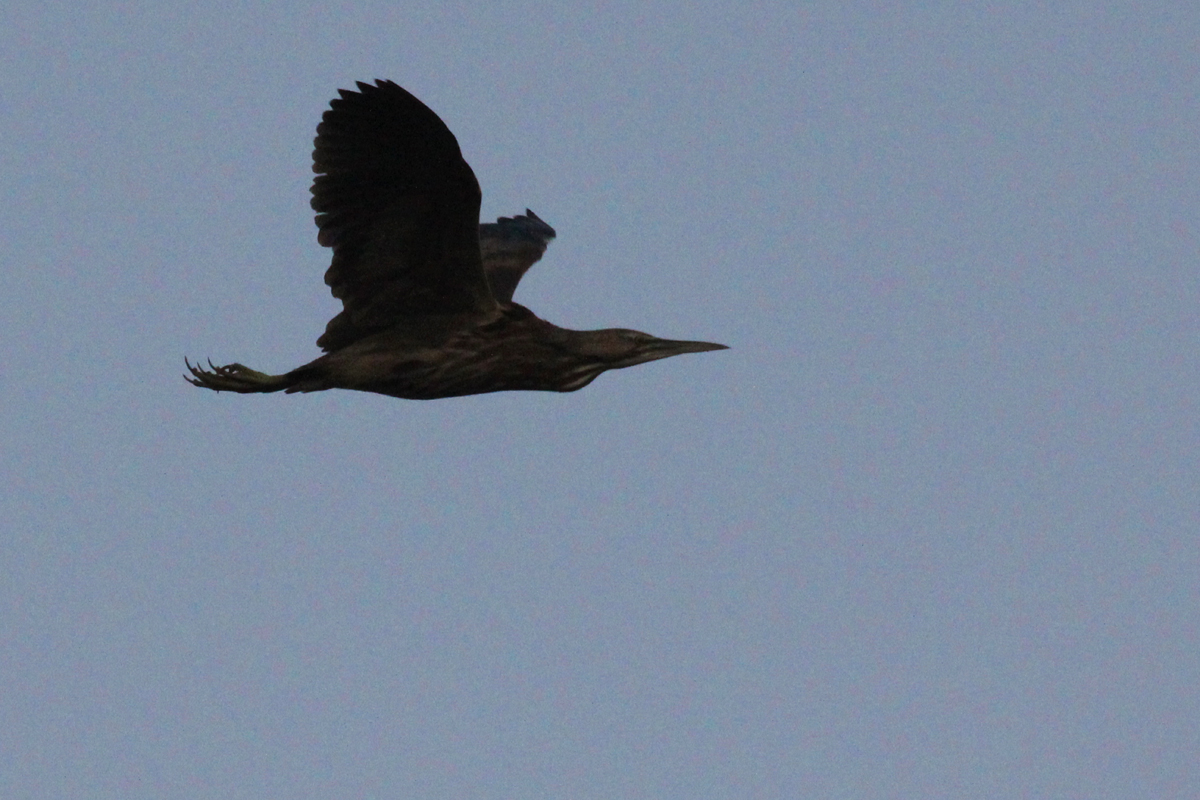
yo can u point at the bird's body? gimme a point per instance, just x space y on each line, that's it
427 290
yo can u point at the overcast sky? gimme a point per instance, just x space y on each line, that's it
927 530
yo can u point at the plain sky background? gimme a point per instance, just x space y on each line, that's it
928 530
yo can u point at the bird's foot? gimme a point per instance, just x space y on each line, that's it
233 378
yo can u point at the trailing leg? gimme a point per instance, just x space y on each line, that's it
236 378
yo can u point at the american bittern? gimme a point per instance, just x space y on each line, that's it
426 290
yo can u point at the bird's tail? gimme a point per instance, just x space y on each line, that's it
236 378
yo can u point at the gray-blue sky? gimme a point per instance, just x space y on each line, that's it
927 530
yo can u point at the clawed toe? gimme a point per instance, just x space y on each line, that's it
233 378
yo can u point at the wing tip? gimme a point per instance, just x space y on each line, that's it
527 223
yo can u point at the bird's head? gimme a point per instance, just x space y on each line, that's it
618 347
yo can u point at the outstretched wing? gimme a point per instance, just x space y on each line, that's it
510 246
400 208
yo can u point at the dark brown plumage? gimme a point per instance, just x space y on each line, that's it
426 290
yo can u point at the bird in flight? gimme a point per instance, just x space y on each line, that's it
426 290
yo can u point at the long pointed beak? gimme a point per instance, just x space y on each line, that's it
665 348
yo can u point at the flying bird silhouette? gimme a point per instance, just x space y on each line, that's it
426 290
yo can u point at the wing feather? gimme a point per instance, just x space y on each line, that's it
510 246
400 208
